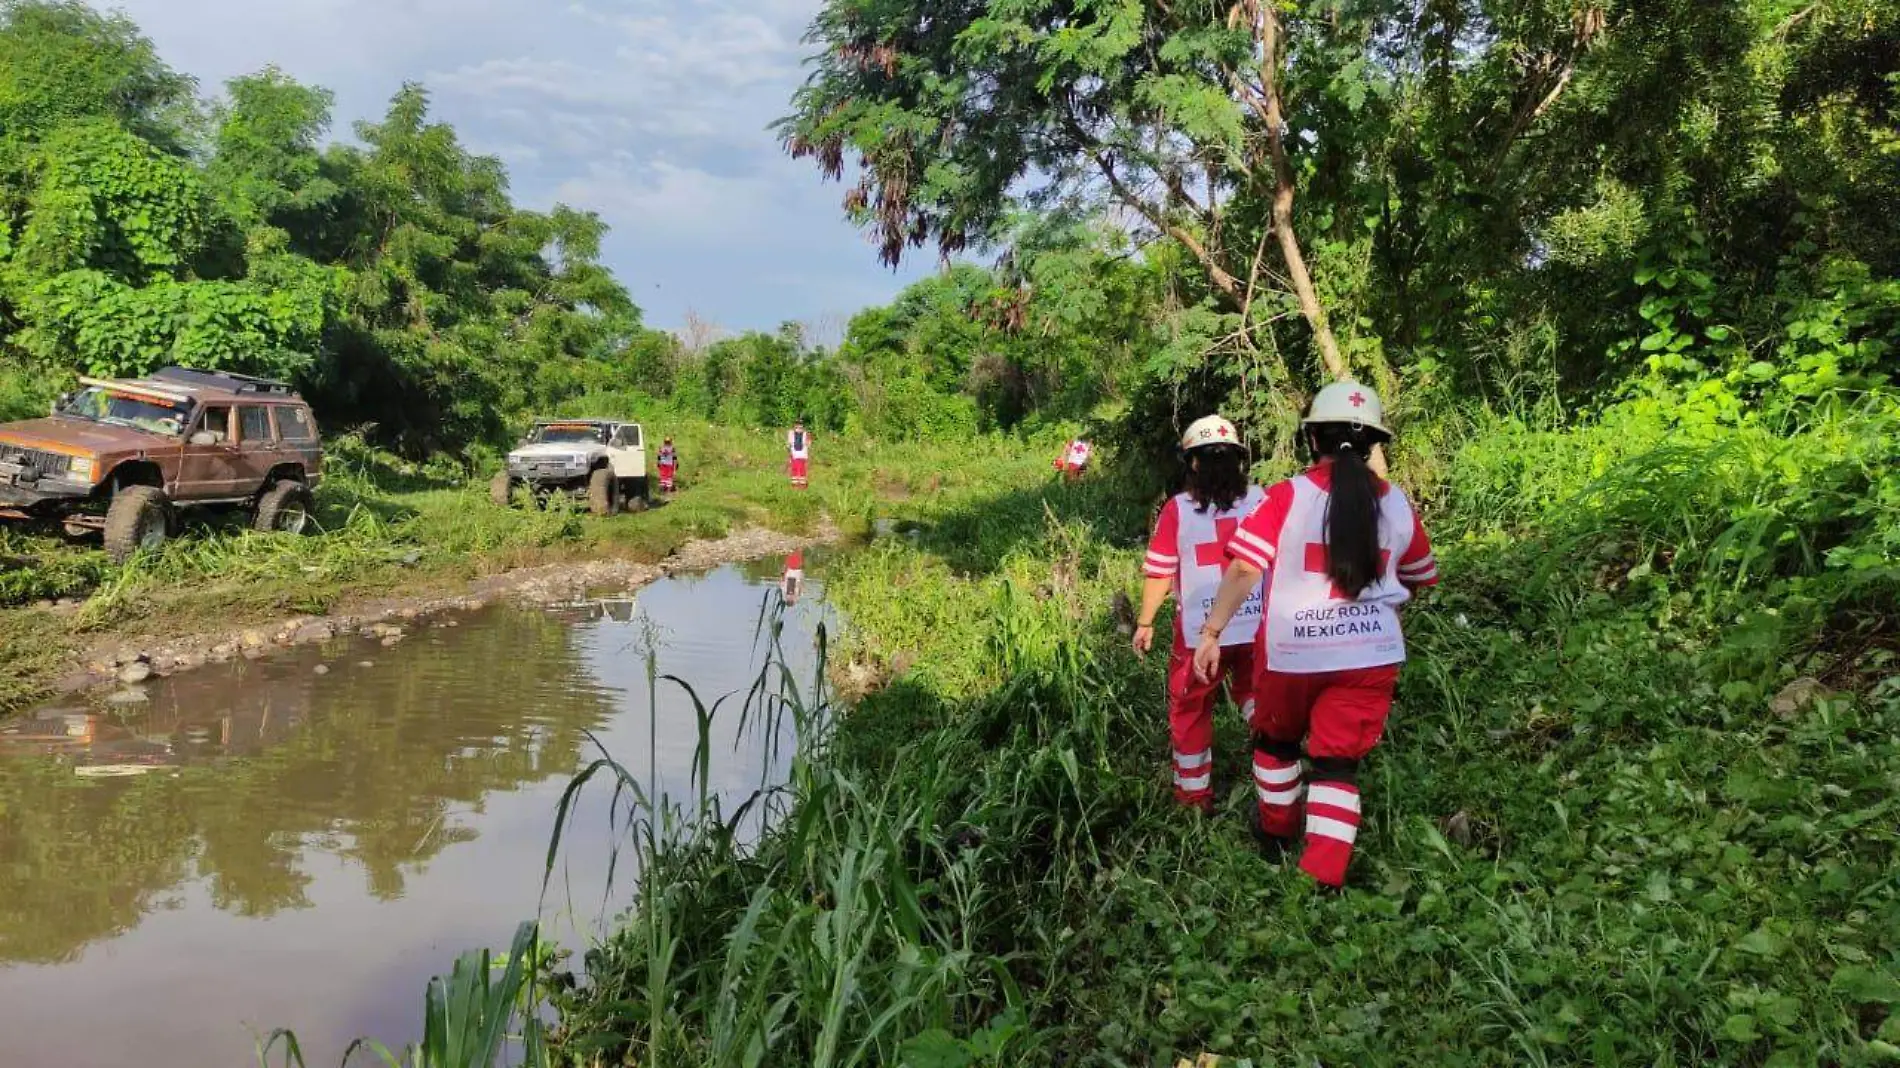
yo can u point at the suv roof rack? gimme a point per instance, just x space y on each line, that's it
136 388
228 380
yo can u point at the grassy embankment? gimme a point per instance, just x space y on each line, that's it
393 528
1603 828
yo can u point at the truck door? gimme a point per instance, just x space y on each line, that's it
628 452
257 448
209 466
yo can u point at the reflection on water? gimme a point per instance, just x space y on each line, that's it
265 845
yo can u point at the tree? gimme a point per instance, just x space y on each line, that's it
266 164
1125 103
62 62
1485 191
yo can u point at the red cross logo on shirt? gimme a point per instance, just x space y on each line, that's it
1316 560
1213 553
1357 399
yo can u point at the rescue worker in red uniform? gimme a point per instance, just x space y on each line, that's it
798 452
669 462
1074 459
1187 555
1342 549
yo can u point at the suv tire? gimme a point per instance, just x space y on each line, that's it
501 490
138 518
602 495
633 495
286 507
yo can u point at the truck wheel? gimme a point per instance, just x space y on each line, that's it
285 507
502 490
138 518
633 494
601 496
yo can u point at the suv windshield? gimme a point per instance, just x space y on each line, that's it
122 409
568 434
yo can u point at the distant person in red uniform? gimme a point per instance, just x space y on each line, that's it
1342 549
798 449
1074 458
1187 556
669 462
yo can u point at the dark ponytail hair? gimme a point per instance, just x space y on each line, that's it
1216 477
1352 509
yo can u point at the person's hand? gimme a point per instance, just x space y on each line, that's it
1144 639
1207 657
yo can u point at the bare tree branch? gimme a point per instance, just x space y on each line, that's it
1221 278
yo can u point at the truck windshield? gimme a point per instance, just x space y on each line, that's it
568 434
123 409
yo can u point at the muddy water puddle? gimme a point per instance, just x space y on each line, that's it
270 844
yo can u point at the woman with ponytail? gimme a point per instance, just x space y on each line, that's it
1342 549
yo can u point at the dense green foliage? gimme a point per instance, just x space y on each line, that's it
1493 197
970 350
393 278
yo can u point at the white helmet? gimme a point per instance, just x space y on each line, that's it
1211 430
1348 402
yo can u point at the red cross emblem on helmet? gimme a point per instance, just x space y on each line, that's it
1357 400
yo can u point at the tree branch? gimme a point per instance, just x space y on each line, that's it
1219 275
1267 31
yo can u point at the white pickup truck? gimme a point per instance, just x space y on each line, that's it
602 460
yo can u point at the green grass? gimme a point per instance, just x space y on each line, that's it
1590 835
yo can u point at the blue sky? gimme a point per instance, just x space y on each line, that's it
651 112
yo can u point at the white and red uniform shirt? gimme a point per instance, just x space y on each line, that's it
798 443
1078 454
1310 626
1191 547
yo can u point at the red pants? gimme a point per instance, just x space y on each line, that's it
801 470
1191 715
1340 716
666 477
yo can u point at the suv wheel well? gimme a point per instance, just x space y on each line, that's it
135 473
282 473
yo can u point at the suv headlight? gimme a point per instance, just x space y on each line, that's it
82 469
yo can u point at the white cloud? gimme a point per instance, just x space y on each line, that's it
684 198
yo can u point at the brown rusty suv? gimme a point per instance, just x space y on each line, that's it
121 457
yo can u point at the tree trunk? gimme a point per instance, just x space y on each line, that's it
1269 30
